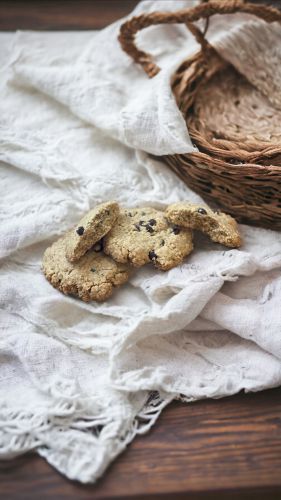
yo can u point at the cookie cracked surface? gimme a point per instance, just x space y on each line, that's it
92 278
90 229
142 235
220 227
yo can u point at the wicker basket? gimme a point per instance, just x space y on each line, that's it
242 176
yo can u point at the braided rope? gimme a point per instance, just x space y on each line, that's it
129 29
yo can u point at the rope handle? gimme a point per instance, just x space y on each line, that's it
129 29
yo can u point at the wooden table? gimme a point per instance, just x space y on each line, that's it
214 449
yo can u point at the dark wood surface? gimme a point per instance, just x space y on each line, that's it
216 449
228 448
62 15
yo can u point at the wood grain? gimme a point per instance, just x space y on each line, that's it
61 14
229 447
224 449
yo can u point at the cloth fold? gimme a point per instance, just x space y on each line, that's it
78 124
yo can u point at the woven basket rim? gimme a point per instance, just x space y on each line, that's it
249 191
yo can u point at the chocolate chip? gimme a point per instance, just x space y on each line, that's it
152 255
93 270
98 247
80 230
202 211
137 227
152 222
149 228
141 223
176 230
162 243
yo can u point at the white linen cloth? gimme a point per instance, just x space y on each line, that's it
78 381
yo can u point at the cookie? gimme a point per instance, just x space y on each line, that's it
143 235
220 227
92 278
90 229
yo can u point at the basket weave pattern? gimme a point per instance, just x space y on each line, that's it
238 162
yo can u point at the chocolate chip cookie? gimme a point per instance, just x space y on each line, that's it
142 235
220 227
90 229
92 278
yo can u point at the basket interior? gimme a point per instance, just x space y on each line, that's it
231 109
227 117
238 135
